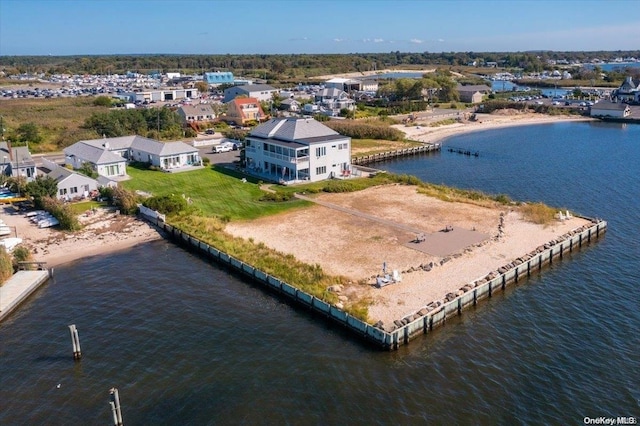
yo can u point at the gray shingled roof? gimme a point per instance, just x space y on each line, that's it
292 129
19 155
122 142
609 106
161 148
93 154
197 109
61 173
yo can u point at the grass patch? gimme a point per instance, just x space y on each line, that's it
446 122
538 213
362 147
212 193
81 207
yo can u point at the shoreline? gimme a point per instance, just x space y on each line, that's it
105 232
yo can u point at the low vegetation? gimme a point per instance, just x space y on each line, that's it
366 130
538 213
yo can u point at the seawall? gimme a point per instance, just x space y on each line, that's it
426 319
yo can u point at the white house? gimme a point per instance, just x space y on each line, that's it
17 161
297 149
72 185
610 109
109 156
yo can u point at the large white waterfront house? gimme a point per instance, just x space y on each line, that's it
297 149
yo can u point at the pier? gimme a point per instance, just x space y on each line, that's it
18 288
382 156
431 316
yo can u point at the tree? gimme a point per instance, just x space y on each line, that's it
202 86
28 132
40 187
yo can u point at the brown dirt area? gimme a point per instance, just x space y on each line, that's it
356 246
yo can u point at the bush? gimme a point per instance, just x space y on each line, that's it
62 212
6 265
206 161
276 196
166 204
126 201
21 254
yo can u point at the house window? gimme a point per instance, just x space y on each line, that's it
73 190
321 170
63 191
321 151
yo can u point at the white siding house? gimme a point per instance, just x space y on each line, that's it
297 149
72 185
610 109
109 157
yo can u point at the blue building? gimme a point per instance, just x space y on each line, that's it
218 77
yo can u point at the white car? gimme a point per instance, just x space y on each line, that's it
222 148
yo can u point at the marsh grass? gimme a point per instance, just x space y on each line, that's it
538 213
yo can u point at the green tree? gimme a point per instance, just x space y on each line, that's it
104 101
40 187
28 132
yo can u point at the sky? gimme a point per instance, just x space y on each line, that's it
95 27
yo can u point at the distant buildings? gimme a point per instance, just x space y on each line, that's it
217 78
629 91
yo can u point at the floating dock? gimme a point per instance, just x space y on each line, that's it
18 288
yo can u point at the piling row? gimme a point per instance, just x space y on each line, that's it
382 156
433 315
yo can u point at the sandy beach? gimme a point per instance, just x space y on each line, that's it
104 232
382 223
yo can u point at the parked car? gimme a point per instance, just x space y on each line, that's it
210 132
223 147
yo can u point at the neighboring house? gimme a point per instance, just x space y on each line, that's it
610 109
244 110
333 100
71 185
199 112
17 161
290 105
297 149
627 92
108 157
261 92
369 85
474 93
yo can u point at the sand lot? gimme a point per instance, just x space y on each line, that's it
379 228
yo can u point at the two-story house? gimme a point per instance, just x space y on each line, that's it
297 149
261 92
244 110
17 161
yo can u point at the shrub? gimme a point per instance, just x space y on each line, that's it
276 196
126 201
21 254
166 204
206 161
62 212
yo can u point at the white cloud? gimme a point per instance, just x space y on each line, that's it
338 40
366 40
416 41
441 40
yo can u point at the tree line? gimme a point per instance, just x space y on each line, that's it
291 65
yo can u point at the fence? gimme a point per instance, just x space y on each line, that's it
422 322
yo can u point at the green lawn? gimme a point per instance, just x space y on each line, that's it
213 192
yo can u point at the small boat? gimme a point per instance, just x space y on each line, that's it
5 230
48 222
10 243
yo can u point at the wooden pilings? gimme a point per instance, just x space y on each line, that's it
114 402
75 341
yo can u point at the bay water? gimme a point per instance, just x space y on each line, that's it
188 343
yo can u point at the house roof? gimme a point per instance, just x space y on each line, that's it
98 151
62 173
92 154
483 88
256 88
609 106
199 109
332 92
18 155
628 85
294 129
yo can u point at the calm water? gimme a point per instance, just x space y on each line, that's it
187 343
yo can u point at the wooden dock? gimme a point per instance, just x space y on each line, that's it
18 288
382 156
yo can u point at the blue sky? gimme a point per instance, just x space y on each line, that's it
43 27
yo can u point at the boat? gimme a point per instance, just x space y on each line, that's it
10 243
48 222
5 230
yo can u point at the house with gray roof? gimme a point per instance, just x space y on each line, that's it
607 109
262 92
109 156
294 149
72 185
473 93
17 161
628 91
198 112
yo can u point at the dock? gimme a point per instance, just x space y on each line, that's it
18 288
382 156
